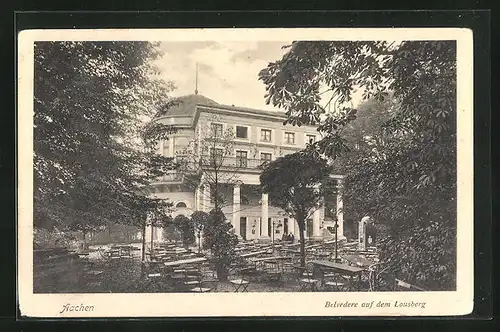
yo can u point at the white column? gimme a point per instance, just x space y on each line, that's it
361 233
340 212
197 197
206 198
316 224
291 225
236 209
171 146
265 215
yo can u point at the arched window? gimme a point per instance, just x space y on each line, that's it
181 205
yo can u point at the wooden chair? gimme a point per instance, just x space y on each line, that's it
334 281
274 270
192 278
306 279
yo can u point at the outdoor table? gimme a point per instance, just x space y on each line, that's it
291 251
311 246
186 256
253 254
248 271
340 268
270 259
240 284
358 260
154 275
186 261
192 282
322 254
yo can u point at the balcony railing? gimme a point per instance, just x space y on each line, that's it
172 177
232 162
208 162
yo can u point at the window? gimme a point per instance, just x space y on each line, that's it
181 205
241 159
216 155
241 132
265 157
290 138
310 138
265 135
217 129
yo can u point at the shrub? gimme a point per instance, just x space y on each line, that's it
220 239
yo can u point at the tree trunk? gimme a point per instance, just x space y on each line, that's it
301 224
143 257
222 272
84 244
143 251
199 242
152 239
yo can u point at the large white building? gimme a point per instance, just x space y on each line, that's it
259 136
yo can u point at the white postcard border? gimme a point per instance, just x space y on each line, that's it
248 304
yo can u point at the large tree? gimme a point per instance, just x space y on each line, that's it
93 160
298 184
407 183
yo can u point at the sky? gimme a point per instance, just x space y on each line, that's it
227 71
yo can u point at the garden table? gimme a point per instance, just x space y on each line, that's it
253 254
186 261
322 254
271 259
358 260
340 268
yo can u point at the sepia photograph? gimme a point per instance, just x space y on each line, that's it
334 169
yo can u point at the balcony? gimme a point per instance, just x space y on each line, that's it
174 177
207 163
232 163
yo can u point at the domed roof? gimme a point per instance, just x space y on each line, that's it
185 105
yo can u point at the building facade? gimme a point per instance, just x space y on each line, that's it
258 136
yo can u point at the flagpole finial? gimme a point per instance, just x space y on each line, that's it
196 84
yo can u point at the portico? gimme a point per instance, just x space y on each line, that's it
252 216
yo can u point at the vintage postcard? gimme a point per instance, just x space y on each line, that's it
245 172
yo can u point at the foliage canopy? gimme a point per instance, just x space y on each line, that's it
406 179
92 152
